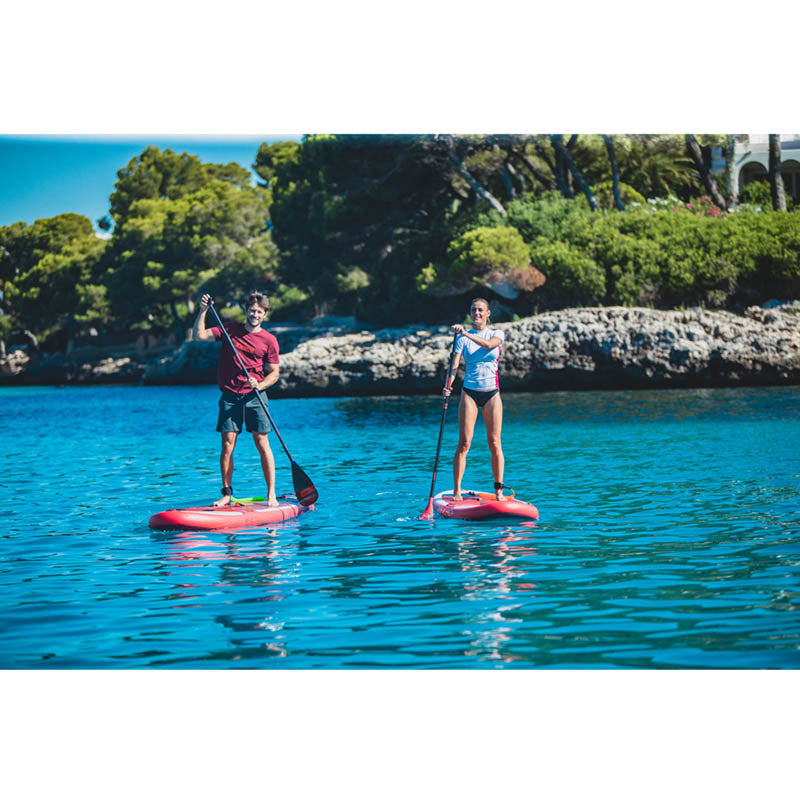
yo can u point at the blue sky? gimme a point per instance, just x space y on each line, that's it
41 176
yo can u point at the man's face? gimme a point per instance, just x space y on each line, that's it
255 315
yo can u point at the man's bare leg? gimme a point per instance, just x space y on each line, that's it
267 465
226 464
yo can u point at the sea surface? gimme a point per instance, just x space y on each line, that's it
668 538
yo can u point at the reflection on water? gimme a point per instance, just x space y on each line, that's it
669 537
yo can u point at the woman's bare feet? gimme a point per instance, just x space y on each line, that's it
272 501
225 500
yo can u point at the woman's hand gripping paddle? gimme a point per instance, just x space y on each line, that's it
428 512
305 490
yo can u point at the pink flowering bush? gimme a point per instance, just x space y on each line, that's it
705 207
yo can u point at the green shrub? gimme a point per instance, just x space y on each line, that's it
693 266
475 257
352 280
484 250
757 193
573 277
604 194
765 247
662 253
630 263
288 302
545 215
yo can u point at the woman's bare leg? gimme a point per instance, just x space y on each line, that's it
467 414
493 417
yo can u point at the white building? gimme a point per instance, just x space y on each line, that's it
751 161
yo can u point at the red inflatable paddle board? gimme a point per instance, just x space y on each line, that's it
482 505
238 515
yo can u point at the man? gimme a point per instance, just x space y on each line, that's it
239 404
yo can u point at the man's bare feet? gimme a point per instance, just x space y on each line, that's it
272 500
225 500
457 498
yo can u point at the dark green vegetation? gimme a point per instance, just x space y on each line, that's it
396 229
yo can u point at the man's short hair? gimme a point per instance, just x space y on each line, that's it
257 298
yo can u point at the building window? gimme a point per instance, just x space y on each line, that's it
752 172
790 172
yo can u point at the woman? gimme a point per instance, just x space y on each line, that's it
481 390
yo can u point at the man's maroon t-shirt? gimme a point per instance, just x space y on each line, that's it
256 350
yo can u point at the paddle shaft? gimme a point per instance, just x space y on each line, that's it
247 375
444 414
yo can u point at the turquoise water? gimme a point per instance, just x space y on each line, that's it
669 535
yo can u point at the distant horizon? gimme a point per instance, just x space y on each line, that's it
87 165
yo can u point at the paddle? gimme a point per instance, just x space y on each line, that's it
428 512
303 487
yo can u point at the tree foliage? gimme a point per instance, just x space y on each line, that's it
181 225
382 205
393 228
50 274
164 174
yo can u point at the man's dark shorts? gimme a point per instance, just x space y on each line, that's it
237 408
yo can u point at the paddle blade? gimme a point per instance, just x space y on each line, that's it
305 490
428 512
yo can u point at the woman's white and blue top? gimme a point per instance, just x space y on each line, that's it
480 364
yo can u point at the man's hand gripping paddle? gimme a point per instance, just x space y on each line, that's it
303 487
428 512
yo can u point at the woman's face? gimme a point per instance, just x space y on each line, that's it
479 312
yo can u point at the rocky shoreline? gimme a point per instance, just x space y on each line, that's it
579 348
